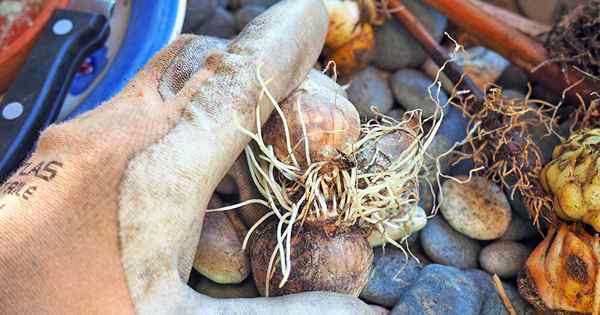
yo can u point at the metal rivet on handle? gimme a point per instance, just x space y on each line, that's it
62 27
12 111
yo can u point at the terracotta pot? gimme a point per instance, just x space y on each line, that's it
13 57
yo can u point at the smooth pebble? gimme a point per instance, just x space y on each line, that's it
246 14
246 289
441 290
493 304
519 230
221 24
370 87
478 208
411 90
504 258
197 13
444 245
395 48
393 272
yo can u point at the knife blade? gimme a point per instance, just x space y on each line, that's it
35 97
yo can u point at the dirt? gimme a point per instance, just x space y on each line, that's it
575 41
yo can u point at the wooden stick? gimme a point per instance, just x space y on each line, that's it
431 46
521 50
519 22
509 308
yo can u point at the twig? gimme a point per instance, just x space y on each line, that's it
520 49
509 308
431 46
519 22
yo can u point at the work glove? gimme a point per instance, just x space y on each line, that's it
106 214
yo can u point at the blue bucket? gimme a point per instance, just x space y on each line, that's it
151 26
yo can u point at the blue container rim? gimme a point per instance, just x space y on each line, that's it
151 26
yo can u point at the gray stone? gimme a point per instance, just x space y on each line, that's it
519 230
514 78
441 290
221 24
411 89
197 13
504 258
483 280
370 87
246 289
396 113
393 273
247 13
444 245
235 4
478 208
395 48
493 305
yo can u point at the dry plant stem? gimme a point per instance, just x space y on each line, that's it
505 300
521 50
434 50
519 22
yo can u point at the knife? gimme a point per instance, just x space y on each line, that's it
34 99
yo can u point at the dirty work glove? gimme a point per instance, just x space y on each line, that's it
105 216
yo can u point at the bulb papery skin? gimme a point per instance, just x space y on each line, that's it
331 122
559 277
573 178
344 22
355 54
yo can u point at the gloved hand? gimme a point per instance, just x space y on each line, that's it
106 214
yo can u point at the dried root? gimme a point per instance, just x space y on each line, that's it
575 42
372 185
500 142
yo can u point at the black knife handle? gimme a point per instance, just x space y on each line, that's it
35 97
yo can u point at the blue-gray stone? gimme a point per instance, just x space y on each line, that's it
370 87
247 13
504 258
519 229
411 89
393 273
443 245
221 24
197 13
395 48
441 290
493 305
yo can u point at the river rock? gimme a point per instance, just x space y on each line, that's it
504 258
219 255
393 272
493 305
395 48
483 65
519 230
197 13
245 289
415 221
370 87
235 4
513 78
411 89
441 290
444 245
478 209
221 24
247 13
483 280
